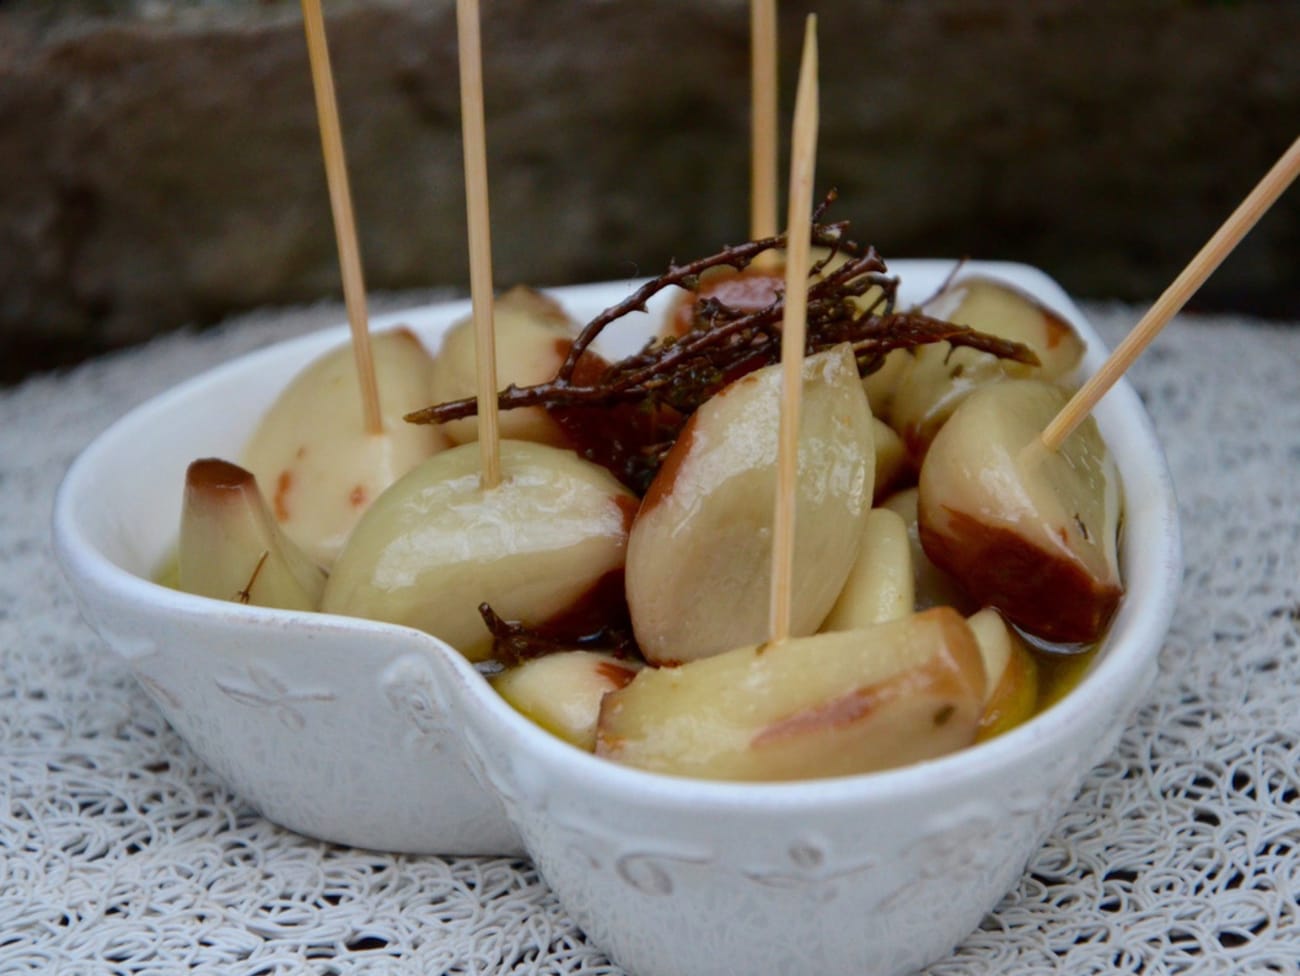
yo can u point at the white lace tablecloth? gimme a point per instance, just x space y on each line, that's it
121 853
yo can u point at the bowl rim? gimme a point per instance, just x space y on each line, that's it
1125 663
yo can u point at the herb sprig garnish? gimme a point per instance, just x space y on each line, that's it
514 643
656 389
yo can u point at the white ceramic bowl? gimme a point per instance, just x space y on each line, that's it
379 736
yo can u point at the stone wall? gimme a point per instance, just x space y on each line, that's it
160 165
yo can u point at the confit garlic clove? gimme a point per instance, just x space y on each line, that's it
436 545
533 336
828 705
881 384
891 458
1012 671
318 465
699 554
931 586
938 377
1030 532
562 692
880 586
231 548
1003 310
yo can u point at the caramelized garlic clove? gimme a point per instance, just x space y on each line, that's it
939 377
232 549
533 337
1030 532
319 467
436 545
562 692
880 586
1012 671
699 555
829 705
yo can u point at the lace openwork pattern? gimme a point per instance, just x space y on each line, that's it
121 853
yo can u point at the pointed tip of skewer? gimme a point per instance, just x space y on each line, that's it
807 92
763 128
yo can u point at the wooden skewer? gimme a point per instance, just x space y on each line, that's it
345 227
793 328
1175 296
763 111
474 136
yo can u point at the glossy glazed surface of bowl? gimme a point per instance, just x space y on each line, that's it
378 736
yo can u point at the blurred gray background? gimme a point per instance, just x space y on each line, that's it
160 164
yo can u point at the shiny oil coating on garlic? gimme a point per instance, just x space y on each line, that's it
828 705
436 545
699 556
533 335
937 377
1031 532
231 547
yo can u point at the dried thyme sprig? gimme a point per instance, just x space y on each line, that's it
651 393
514 642
685 373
